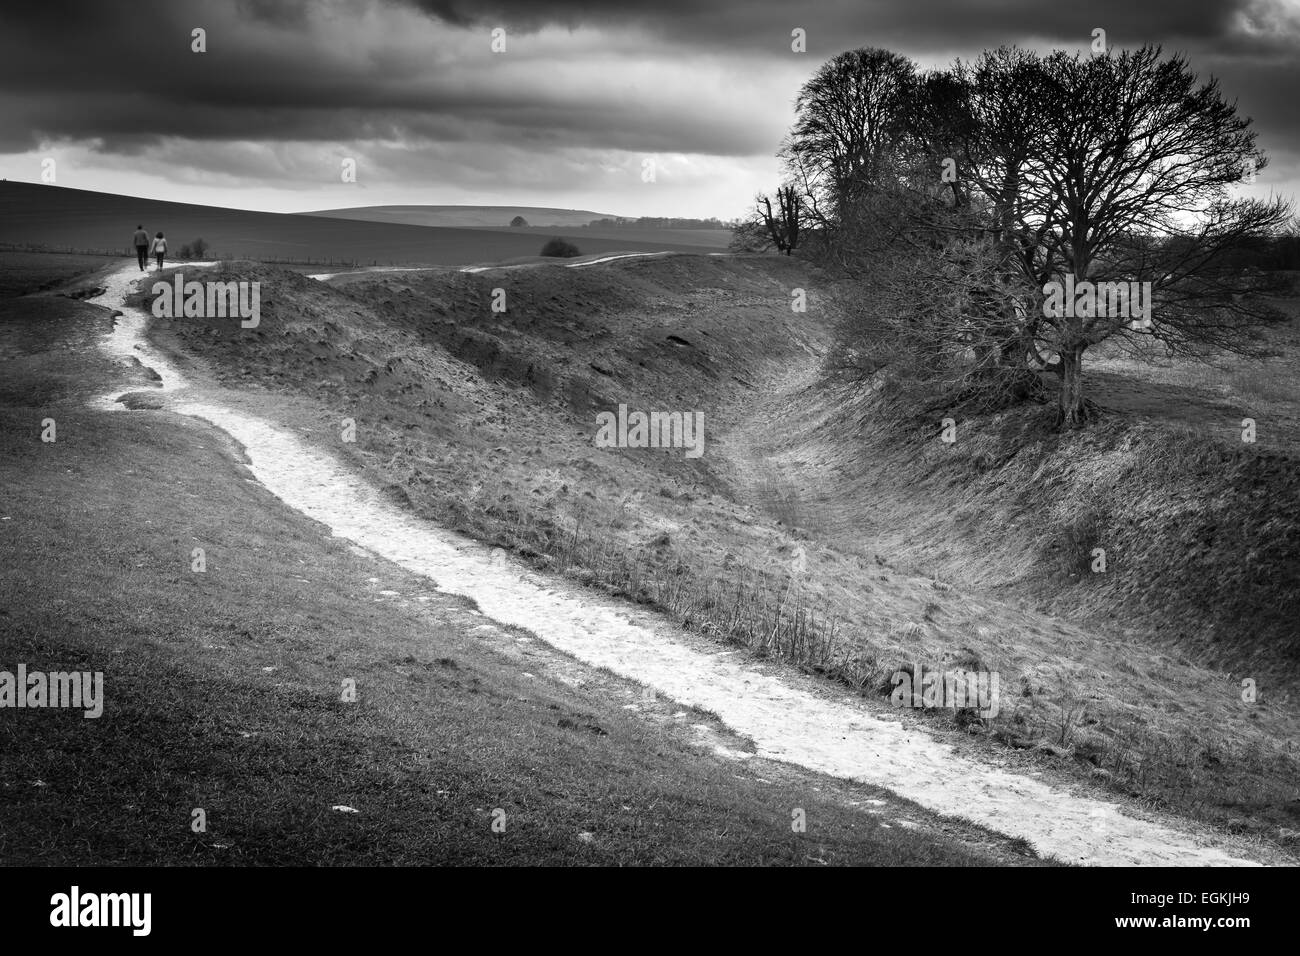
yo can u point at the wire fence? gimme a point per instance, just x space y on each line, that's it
60 250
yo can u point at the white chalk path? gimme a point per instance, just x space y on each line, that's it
322 276
788 719
127 341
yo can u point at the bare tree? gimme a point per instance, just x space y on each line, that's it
1130 183
783 224
1104 180
779 225
1103 170
849 119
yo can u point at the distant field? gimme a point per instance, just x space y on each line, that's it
464 217
711 239
542 223
88 221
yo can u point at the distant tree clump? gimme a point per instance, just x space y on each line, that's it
186 252
200 246
560 248
660 222
519 221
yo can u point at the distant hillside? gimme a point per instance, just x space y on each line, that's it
540 220
62 218
463 216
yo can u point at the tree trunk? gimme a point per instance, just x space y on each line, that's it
1072 410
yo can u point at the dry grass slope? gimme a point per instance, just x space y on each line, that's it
806 531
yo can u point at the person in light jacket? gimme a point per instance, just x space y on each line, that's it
159 249
142 247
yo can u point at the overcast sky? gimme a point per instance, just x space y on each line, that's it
585 92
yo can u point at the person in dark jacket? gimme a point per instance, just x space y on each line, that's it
141 246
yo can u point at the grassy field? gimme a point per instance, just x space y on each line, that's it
797 533
71 218
466 217
697 240
223 688
25 272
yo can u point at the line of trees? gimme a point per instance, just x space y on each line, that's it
661 222
952 198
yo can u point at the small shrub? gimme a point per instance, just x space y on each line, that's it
185 253
200 246
560 248
519 222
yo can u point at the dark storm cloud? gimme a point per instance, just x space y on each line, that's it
923 26
122 77
302 72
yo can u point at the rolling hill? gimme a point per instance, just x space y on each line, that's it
464 216
542 222
61 218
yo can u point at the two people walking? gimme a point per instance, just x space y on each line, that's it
144 247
